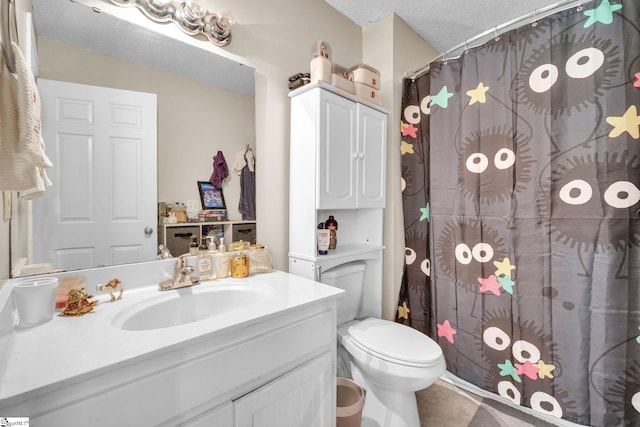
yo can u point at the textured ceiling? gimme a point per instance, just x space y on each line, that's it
444 24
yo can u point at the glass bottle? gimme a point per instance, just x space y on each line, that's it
193 246
204 263
332 225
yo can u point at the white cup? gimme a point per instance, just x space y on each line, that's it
35 300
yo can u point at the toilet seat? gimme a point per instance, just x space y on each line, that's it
395 343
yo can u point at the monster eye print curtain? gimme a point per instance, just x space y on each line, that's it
521 177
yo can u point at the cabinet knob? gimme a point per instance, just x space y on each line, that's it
148 231
361 156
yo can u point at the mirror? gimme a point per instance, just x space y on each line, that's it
204 101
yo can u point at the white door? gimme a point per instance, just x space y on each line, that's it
337 152
102 207
372 157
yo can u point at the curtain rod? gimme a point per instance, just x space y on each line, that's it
536 14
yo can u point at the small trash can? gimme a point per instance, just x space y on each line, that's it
350 401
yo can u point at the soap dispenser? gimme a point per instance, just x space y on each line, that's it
211 246
222 261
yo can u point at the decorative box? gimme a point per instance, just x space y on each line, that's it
364 74
368 93
341 83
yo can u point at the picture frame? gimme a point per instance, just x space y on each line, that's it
211 197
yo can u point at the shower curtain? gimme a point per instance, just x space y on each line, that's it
521 184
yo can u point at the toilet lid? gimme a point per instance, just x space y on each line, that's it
395 342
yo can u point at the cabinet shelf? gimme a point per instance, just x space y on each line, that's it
176 237
343 253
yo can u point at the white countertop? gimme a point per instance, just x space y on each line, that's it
67 349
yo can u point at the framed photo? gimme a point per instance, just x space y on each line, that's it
211 196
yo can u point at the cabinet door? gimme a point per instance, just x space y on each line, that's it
372 154
302 397
337 152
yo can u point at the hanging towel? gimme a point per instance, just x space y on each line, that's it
244 158
22 155
220 170
247 204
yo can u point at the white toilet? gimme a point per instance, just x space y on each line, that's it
389 360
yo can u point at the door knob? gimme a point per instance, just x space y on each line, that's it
148 231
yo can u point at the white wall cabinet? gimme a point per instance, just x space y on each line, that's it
337 167
351 152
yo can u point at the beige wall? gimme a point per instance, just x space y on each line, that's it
392 47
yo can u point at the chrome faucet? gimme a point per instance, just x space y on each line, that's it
181 276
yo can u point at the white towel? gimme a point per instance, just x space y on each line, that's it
22 155
240 162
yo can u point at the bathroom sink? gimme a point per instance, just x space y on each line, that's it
191 304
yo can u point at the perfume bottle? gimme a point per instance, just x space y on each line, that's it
193 246
204 263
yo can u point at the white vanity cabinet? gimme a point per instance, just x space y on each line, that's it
337 167
272 365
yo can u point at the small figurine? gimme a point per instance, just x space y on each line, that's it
171 219
112 286
78 303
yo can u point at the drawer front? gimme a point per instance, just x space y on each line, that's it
368 93
246 232
178 239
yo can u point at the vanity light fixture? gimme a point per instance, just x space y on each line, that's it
190 15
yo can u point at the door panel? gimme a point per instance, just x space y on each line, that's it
337 156
372 167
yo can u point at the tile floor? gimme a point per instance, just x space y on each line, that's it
444 405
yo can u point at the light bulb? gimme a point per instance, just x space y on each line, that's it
225 18
194 9
159 3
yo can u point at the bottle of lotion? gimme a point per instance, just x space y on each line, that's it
222 261
324 236
204 263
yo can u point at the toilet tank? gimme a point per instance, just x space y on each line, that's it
350 278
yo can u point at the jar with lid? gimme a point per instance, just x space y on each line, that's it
240 265
320 68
